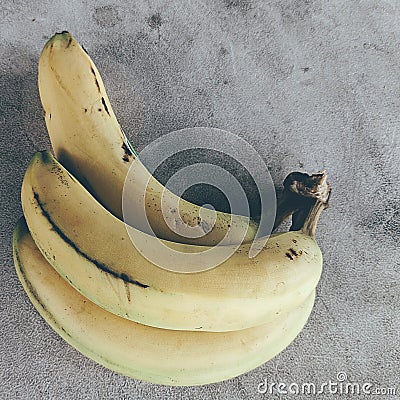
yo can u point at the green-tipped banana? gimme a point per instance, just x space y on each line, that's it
156 355
87 139
92 249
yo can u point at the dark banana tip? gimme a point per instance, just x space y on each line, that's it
40 157
60 40
20 230
45 156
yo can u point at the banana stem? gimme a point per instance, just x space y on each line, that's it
312 193
310 221
304 197
288 204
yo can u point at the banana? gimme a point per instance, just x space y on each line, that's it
92 249
156 355
87 139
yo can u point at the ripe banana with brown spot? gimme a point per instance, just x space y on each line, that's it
156 355
87 139
92 249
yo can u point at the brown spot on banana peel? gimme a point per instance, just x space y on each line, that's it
68 241
95 79
69 280
288 255
292 253
127 152
127 291
105 106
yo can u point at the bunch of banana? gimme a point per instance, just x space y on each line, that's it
156 355
95 287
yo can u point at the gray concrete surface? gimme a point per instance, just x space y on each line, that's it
312 84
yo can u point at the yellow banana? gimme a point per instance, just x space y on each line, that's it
87 139
156 355
92 249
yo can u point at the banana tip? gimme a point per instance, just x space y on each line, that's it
61 39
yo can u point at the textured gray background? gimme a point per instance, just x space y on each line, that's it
311 84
